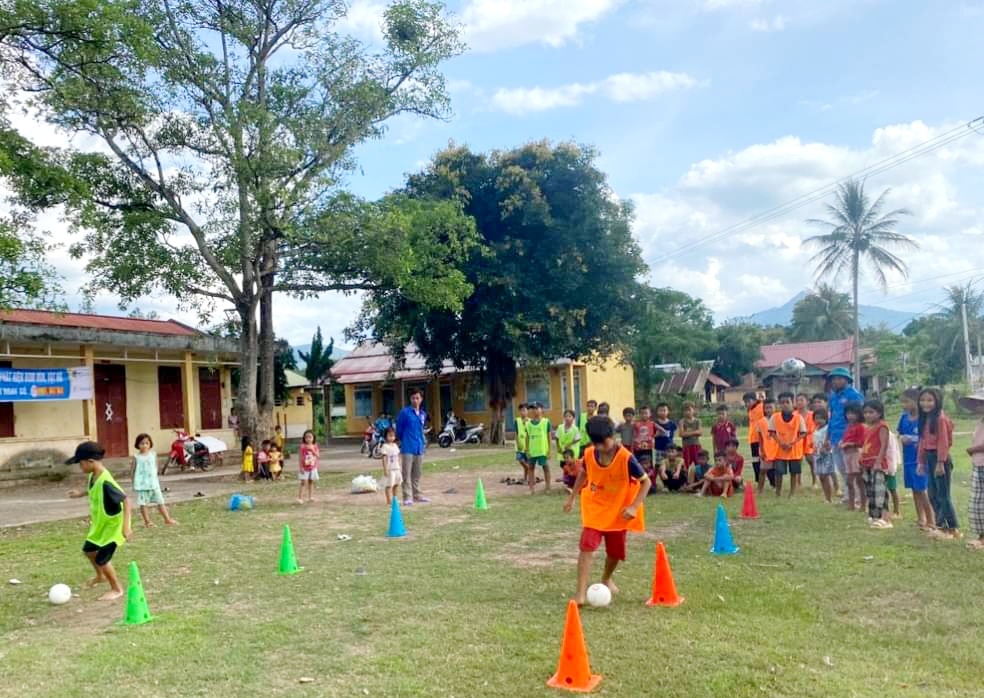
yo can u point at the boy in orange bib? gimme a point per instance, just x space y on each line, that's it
612 487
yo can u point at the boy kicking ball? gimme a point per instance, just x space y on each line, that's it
612 487
109 512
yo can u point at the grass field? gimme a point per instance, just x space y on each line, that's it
472 604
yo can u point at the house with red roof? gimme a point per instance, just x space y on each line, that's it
820 358
69 377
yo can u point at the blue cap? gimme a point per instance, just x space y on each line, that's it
841 372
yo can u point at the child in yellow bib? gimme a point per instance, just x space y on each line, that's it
109 512
612 487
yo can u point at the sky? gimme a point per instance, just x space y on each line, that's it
705 114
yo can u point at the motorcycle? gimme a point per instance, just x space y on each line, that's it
187 452
456 432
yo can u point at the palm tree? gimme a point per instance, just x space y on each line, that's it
823 314
858 231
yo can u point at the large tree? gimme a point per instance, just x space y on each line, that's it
554 277
317 360
26 278
859 232
738 347
671 327
823 314
207 139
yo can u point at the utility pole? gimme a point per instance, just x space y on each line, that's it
966 334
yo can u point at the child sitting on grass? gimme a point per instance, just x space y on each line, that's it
697 470
612 487
109 516
145 481
672 471
719 481
276 461
263 461
570 467
736 462
823 455
389 453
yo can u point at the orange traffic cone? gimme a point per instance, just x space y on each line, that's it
664 588
573 671
748 508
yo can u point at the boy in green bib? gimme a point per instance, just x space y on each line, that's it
109 512
538 446
521 445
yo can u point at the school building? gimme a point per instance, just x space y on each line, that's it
67 377
375 384
295 414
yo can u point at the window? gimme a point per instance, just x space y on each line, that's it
538 390
170 397
389 401
299 401
476 399
363 402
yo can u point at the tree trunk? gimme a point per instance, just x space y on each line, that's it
857 320
500 378
267 342
246 407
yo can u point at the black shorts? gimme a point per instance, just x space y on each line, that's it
103 554
791 467
755 452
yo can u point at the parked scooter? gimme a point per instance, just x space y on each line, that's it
456 432
187 452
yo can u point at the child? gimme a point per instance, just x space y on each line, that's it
276 462
665 431
823 455
538 451
874 463
719 480
145 482
109 515
571 468
736 462
975 404
819 403
804 411
643 441
626 430
308 458
696 472
263 460
612 487
389 453
788 429
521 444
567 435
851 445
909 436
278 438
933 459
767 445
690 432
723 431
582 423
247 471
672 471
756 410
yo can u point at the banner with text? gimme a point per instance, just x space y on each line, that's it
44 384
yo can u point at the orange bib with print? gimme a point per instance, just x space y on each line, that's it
786 433
607 491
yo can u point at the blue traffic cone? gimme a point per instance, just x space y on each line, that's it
723 543
396 529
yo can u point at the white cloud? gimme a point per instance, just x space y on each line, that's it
620 88
491 25
363 20
776 24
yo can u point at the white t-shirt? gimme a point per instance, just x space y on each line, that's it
819 439
391 456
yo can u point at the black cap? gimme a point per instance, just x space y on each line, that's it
88 450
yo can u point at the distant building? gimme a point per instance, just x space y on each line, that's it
820 359
295 414
698 382
374 383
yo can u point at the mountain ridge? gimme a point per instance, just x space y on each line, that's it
870 315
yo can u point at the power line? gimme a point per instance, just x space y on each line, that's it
876 168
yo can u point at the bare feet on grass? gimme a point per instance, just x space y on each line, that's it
111 595
612 587
93 583
171 522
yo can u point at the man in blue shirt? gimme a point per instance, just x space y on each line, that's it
842 394
410 433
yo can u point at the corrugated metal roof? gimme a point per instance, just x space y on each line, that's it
691 380
98 322
295 379
837 352
372 362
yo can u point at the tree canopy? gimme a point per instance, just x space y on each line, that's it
26 278
823 314
554 275
318 361
738 347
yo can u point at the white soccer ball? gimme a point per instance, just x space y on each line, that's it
60 594
792 365
599 595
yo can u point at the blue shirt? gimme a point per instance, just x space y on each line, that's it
410 431
663 442
837 401
909 426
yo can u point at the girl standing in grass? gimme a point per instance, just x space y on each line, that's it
247 471
308 456
389 453
975 404
933 459
276 461
874 463
851 444
823 455
909 436
145 482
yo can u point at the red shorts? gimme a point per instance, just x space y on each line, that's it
614 542
690 454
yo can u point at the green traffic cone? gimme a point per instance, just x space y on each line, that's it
481 503
288 561
137 611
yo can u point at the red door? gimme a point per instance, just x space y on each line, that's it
6 413
210 393
110 388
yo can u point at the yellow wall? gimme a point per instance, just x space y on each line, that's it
612 383
297 418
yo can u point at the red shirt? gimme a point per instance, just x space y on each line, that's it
737 465
643 436
873 436
941 441
853 436
722 433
